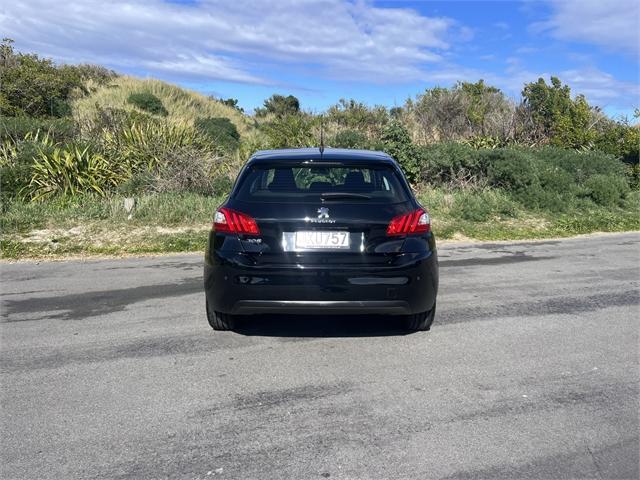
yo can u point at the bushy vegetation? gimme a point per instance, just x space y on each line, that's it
82 135
230 102
221 131
36 87
279 106
148 102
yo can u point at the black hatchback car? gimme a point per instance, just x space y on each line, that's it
321 232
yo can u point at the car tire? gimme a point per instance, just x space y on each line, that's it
219 321
421 321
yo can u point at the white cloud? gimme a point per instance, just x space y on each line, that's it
602 88
613 24
345 40
201 66
247 40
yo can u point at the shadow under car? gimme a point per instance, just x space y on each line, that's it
272 325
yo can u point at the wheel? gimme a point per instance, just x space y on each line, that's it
421 321
219 321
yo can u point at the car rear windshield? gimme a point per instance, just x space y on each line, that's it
313 183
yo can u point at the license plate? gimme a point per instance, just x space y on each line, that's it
322 239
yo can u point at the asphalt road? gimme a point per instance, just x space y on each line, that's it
109 370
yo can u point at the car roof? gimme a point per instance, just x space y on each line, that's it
314 154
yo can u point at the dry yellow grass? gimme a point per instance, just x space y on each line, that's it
183 105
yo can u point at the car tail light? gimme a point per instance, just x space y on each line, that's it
230 221
417 221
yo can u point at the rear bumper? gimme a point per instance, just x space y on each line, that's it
391 307
409 285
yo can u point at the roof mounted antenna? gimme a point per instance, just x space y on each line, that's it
321 135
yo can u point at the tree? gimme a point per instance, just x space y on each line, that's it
547 102
489 112
620 139
463 112
439 114
563 121
575 129
396 141
279 106
479 94
396 113
231 102
353 115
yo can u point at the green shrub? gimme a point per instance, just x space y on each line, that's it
13 179
557 179
148 102
221 185
16 166
350 139
546 176
451 164
290 131
15 129
512 169
35 86
222 132
632 201
537 198
397 143
534 179
620 140
97 74
556 192
607 190
581 165
632 173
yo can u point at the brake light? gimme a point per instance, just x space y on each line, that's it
417 221
230 221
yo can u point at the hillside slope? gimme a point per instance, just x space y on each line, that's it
182 104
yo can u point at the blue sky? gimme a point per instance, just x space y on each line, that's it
378 52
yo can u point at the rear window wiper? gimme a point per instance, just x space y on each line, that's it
337 195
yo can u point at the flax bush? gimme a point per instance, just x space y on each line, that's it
72 170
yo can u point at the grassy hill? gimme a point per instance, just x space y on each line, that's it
182 104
